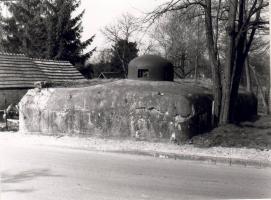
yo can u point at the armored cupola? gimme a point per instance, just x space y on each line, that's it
150 67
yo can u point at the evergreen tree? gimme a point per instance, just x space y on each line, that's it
122 53
25 31
46 29
64 33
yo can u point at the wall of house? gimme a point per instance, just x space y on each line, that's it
10 96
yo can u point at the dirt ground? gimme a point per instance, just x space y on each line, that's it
255 134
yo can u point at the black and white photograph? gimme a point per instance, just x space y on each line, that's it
135 99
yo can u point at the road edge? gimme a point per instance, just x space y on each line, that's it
188 156
215 160
193 157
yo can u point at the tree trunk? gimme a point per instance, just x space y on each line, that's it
236 56
248 76
269 93
197 53
183 62
217 88
270 69
196 69
241 55
230 61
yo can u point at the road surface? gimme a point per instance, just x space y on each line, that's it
50 173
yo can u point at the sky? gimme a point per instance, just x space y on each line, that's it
99 13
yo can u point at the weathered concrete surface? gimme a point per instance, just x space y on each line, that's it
124 108
143 110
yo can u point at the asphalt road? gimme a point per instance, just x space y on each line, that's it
43 173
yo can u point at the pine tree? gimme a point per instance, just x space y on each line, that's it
25 31
46 29
122 53
64 33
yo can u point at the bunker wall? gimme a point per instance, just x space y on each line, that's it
115 111
124 109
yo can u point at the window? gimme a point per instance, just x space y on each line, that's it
143 73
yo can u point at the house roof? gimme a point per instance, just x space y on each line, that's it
58 70
19 71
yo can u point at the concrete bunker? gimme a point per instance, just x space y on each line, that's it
150 107
145 110
151 68
18 73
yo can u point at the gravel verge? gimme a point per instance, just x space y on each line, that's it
215 155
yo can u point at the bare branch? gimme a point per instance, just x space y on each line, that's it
173 5
124 28
248 45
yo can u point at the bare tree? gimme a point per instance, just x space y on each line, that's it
243 19
105 55
258 65
122 32
180 39
123 29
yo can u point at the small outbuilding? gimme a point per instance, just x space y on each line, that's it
151 68
18 73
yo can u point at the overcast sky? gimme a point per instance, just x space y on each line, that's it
99 13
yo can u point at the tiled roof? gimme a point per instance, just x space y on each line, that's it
58 70
19 71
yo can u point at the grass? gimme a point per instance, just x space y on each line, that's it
247 134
